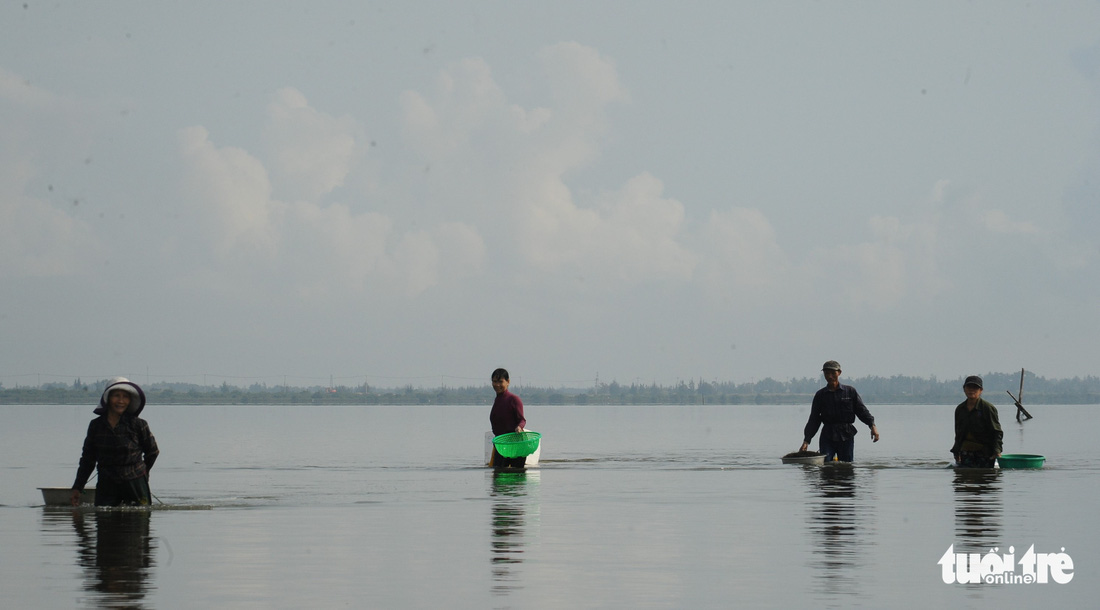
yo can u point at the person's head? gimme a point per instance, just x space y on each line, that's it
972 387
124 389
831 371
500 380
118 400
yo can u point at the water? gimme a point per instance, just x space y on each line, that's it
661 507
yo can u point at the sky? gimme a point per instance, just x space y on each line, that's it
415 193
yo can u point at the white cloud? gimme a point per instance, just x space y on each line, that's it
510 163
308 248
326 250
631 235
997 221
900 260
741 257
582 81
231 195
466 101
585 214
312 152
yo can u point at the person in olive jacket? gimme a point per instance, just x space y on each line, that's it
978 431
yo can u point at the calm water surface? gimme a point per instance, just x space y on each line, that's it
664 507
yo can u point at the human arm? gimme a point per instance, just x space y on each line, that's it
87 463
812 423
521 421
149 449
997 433
863 414
960 432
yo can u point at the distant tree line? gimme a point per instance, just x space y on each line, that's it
898 389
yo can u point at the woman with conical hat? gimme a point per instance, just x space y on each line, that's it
120 445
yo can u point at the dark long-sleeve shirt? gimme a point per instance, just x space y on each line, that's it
836 411
507 413
977 430
122 453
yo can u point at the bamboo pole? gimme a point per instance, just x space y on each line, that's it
1020 410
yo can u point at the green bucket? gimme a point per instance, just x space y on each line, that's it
517 444
1021 460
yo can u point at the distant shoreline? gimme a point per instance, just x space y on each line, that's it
899 390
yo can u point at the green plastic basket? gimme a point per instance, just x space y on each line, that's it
517 444
1021 460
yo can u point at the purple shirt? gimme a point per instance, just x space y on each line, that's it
507 413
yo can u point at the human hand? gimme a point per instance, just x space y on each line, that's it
874 434
803 447
74 497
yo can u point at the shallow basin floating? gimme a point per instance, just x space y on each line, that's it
805 457
1021 460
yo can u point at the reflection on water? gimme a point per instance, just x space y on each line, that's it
116 555
841 522
979 509
511 501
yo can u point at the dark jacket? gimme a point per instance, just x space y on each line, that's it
836 410
979 430
122 453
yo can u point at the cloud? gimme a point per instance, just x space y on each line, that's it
36 238
467 106
19 91
311 152
230 195
306 247
582 82
895 262
41 234
997 221
630 235
741 259
510 165
484 184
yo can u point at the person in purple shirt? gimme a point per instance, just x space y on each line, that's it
506 416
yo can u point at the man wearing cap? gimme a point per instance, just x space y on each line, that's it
978 431
835 408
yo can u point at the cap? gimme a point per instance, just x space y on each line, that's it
973 380
831 365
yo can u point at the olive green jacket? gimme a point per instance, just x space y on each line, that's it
982 425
